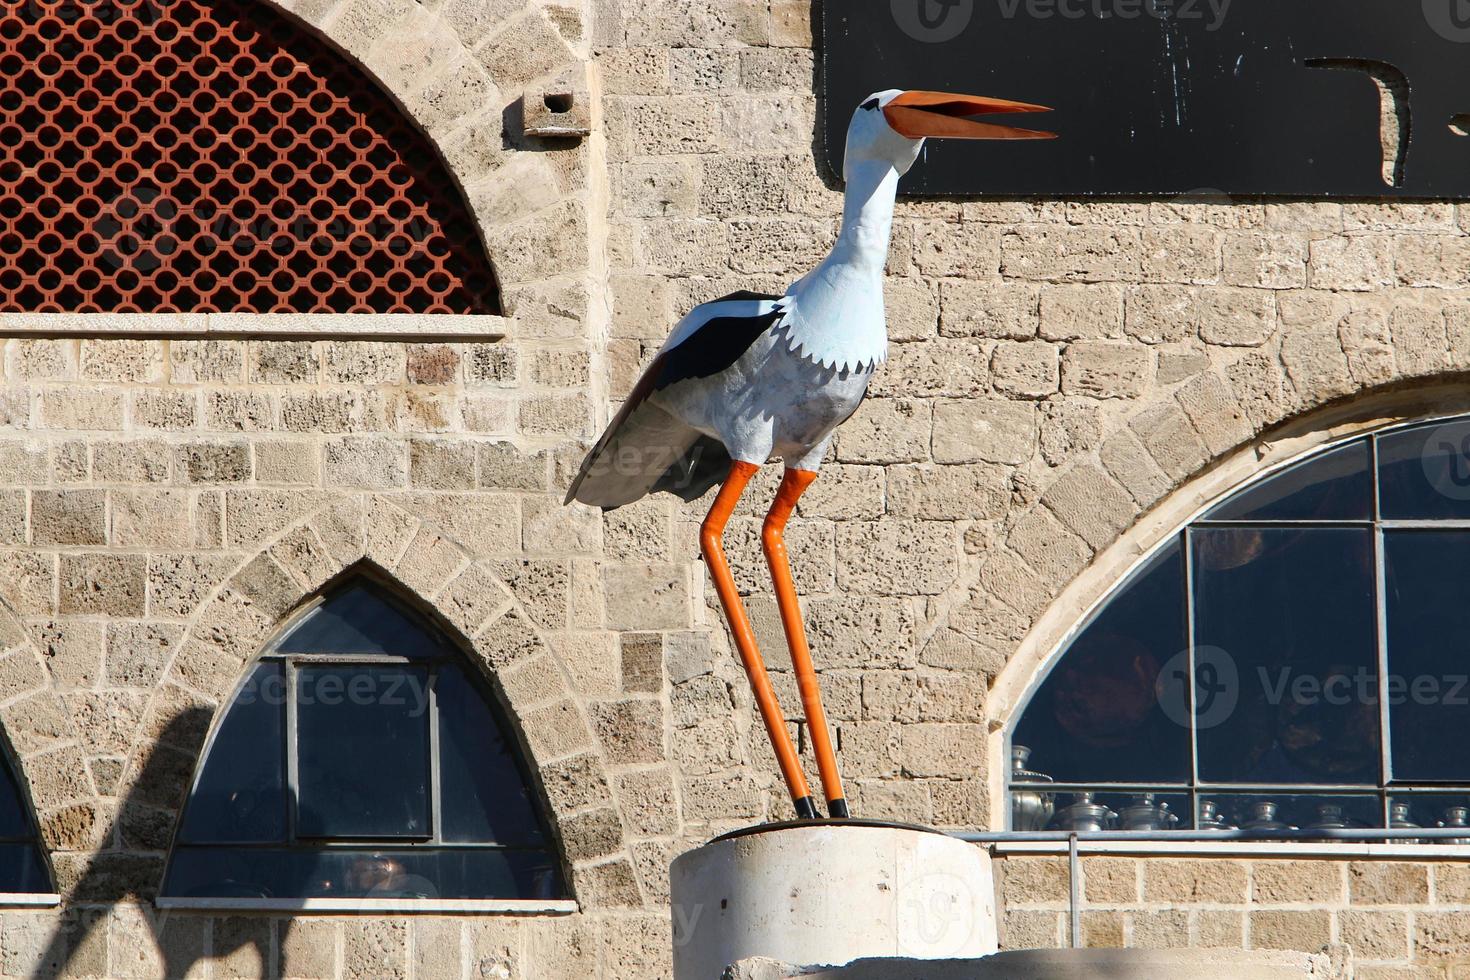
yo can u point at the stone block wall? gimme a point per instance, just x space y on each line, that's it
1379 919
169 502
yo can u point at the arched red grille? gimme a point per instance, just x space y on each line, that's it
211 155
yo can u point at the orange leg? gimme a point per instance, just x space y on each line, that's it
710 536
773 536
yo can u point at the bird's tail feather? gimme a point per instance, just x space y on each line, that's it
648 451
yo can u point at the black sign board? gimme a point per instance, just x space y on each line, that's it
1169 97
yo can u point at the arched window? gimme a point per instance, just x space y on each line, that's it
1296 657
362 758
193 156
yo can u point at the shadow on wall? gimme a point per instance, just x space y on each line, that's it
120 881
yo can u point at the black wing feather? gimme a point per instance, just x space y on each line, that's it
698 462
715 346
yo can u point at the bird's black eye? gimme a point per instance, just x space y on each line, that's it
870 104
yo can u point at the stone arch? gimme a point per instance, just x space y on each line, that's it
457 71
1039 637
1333 359
467 596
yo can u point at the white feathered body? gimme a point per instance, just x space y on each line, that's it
775 401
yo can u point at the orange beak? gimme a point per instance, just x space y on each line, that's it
940 115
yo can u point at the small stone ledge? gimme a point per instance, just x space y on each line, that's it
29 900
382 906
1061 964
407 327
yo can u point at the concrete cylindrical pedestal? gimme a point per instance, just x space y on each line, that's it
821 893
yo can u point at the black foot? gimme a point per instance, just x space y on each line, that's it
837 809
805 808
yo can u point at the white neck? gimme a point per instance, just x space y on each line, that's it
836 315
867 217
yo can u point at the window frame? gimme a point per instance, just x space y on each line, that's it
452 652
1386 790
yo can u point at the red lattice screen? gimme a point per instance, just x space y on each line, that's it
211 155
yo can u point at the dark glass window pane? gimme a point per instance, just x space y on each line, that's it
1103 810
1335 486
1283 811
241 794
1428 585
361 620
1424 473
364 757
363 873
1097 717
14 822
1446 810
362 743
1286 657
482 791
22 869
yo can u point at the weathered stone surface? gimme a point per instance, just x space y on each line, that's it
644 597
1388 884
1169 438
1303 930
984 430
1215 414
930 492
1091 504
104 584
630 731
989 309
1193 881
69 517
1025 370
1081 312
1281 882
886 430
1105 370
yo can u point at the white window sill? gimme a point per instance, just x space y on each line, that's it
417 327
1268 849
399 906
30 900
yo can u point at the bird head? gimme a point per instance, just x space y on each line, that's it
891 126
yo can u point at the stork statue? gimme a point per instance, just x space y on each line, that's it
750 377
